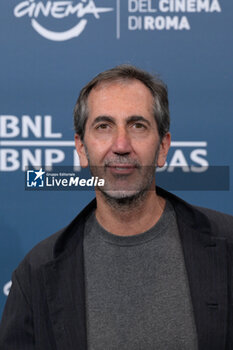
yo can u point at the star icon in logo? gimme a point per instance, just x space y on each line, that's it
39 174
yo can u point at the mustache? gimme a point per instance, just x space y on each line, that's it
122 160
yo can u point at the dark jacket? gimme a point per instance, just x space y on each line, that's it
46 306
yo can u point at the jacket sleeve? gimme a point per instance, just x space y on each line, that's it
16 329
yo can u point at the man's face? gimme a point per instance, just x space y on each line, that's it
121 142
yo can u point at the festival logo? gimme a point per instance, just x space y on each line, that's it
60 10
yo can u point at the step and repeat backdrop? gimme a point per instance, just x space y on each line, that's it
50 49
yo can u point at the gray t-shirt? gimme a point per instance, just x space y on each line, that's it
137 292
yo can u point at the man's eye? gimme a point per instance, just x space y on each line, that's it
102 126
139 126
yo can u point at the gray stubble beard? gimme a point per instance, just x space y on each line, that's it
127 201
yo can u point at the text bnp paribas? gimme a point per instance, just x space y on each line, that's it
32 141
167 14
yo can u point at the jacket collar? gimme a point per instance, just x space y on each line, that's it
205 259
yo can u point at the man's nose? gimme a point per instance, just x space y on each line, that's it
122 142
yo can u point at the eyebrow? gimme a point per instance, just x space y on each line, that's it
137 118
109 119
102 118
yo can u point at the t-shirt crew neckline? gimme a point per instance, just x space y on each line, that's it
140 238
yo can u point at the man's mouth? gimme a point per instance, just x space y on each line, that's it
124 169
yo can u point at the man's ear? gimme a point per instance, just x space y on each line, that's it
80 148
163 150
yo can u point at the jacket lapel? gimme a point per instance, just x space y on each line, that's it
65 287
206 264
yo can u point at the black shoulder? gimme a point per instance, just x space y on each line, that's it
221 224
43 252
31 267
60 242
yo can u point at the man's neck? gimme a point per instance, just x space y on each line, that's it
137 219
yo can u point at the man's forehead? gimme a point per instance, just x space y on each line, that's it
114 101
132 85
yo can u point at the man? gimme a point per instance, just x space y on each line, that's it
139 268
